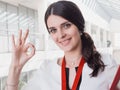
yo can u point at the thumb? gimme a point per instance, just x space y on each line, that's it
32 50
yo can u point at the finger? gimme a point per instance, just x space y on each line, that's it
19 38
13 41
25 36
32 52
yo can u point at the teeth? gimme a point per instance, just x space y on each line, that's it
65 42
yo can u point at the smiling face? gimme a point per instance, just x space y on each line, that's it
64 33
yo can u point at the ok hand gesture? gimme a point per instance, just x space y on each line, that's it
20 50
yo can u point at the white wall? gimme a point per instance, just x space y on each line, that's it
115 29
41 12
28 3
115 25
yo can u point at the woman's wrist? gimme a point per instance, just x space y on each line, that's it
12 84
15 68
13 77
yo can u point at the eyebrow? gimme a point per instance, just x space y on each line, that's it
60 24
51 28
65 23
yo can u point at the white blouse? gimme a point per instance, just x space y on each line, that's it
48 77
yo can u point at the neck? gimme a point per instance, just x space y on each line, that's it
72 59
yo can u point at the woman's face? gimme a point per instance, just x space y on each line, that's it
64 33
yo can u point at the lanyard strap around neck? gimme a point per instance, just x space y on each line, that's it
77 77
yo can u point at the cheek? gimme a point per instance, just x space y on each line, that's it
75 33
54 38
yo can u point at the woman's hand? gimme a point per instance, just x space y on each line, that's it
20 50
19 57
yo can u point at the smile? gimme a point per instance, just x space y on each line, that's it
65 42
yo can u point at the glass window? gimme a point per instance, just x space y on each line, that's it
3 81
12 18
23 17
3 14
117 39
4 43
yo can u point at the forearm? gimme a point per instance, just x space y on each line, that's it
13 79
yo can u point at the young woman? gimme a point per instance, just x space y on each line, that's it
81 68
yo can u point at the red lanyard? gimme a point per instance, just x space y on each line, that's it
77 77
116 80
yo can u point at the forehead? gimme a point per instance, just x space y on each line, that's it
54 21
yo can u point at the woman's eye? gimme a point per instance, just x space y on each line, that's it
67 25
52 31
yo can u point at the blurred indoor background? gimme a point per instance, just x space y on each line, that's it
102 23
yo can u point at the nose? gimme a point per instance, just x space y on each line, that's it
61 34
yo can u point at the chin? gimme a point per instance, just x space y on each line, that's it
66 49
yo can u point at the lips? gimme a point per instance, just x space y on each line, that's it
65 42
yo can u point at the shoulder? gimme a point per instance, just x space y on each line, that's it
107 59
106 77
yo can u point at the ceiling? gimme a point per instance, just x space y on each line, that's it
29 3
111 7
